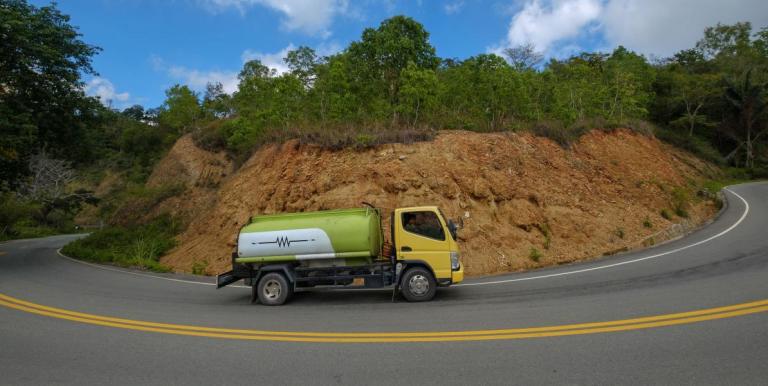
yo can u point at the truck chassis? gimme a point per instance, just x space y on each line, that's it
379 274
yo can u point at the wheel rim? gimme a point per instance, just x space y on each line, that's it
272 289
418 285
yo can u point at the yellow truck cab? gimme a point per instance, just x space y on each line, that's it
422 236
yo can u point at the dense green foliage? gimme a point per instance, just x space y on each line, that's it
56 142
709 99
136 246
42 103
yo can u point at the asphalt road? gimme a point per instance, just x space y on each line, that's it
652 317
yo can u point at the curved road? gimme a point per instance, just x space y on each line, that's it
692 311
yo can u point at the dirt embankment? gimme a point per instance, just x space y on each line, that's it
524 201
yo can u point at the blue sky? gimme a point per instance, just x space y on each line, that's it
150 45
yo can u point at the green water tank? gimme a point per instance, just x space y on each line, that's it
332 237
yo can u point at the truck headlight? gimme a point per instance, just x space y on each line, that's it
454 261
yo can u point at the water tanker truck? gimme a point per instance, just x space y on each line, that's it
277 254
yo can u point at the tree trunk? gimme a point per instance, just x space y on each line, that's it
750 156
416 118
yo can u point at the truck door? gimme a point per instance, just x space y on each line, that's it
420 235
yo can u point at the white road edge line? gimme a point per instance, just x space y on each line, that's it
743 216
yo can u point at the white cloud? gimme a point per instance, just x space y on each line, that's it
453 7
275 60
105 91
544 24
271 60
312 17
660 27
199 79
663 27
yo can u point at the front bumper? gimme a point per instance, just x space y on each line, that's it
458 275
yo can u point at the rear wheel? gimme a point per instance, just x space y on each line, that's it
273 289
418 285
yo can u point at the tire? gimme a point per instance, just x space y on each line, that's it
273 289
418 285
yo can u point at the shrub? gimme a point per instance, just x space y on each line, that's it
199 267
641 127
138 200
547 235
647 223
535 255
694 144
619 232
665 213
556 131
210 137
680 202
11 211
138 246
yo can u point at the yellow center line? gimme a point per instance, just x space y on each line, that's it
371 337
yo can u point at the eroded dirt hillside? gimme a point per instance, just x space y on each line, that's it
524 201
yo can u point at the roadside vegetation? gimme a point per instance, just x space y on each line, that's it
58 144
137 246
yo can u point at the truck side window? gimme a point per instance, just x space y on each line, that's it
424 224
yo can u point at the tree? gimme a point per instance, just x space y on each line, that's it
748 102
181 109
135 112
253 69
418 92
382 54
629 79
216 102
483 88
693 91
728 40
303 63
41 99
49 184
335 94
577 88
523 57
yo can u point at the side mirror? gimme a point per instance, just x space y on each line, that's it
452 227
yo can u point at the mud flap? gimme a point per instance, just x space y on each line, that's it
225 279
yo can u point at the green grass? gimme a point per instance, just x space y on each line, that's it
733 176
535 255
647 223
199 267
547 235
138 246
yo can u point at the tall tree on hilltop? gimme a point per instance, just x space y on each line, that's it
181 110
382 54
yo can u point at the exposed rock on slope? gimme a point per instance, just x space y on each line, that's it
199 171
522 198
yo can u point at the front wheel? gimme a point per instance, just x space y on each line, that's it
418 285
273 289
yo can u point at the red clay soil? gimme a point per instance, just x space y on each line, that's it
515 193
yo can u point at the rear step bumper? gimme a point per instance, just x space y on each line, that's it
226 279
